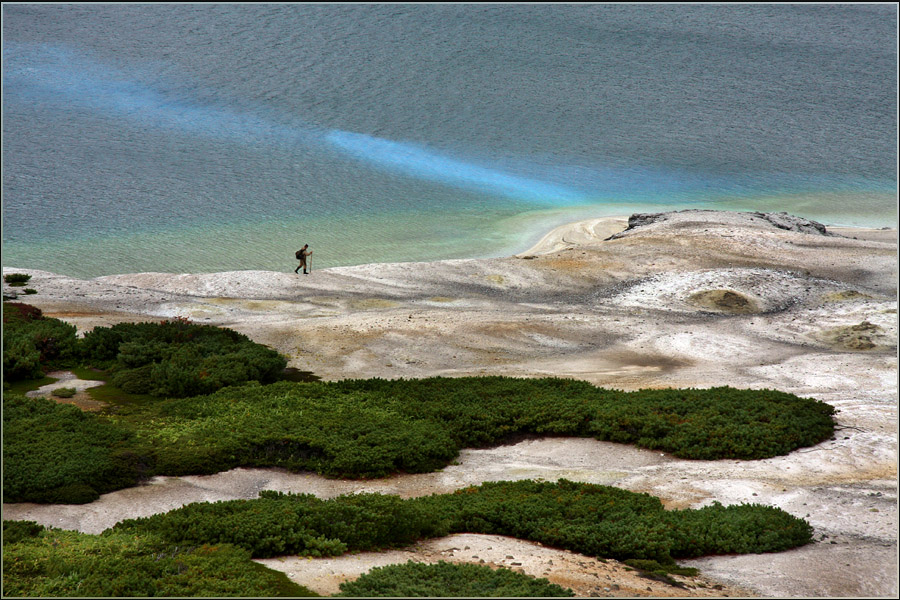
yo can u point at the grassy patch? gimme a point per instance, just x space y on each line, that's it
43 562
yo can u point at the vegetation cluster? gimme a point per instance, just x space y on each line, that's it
33 343
373 428
447 580
590 519
178 358
174 358
199 548
49 563
58 453
191 399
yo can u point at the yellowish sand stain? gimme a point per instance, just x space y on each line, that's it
844 296
373 304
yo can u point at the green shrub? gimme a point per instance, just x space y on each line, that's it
278 524
704 424
21 359
178 358
15 531
16 279
374 428
57 453
54 563
738 529
64 392
295 426
589 519
716 423
33 343
447 580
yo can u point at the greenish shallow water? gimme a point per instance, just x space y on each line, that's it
368 239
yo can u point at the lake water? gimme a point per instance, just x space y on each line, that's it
206 137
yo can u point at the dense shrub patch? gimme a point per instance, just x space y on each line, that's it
57 453
296 426
447 580
52 563
590 519
174 358
277 524
709 424
178 358
373 428
17 279
613 523
33 343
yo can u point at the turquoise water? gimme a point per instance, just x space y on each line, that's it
193 138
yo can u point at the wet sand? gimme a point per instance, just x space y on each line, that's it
686 299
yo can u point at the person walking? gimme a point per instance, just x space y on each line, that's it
301 255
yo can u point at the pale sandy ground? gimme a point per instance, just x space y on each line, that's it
690 299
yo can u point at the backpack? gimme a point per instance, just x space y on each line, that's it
298 254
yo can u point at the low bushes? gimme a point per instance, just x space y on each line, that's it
178 358
446 580
170 359
709 424
590 519
295 426
17 279
43 562
56 453
613 523
33 342
278 524
374 428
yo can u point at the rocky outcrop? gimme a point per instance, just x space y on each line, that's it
780 220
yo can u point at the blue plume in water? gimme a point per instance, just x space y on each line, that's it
416 161
56 74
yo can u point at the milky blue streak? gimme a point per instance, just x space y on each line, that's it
58 75
415 161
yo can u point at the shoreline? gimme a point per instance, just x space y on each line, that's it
580 232
688 299
517 235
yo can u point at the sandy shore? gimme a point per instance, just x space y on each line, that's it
686 299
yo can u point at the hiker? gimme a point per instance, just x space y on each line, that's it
301 255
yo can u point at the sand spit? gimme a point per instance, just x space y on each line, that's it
683 299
